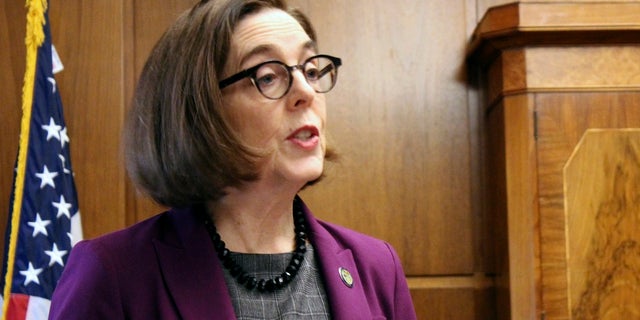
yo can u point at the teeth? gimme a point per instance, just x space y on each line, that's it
303 135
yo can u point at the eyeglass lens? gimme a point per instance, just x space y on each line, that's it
274 79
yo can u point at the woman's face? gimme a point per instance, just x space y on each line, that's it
290 130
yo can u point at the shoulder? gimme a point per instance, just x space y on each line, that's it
140 234
106 274
375 264
367 251
128 249
352 239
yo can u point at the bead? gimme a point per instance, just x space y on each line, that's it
251 283
261 284
235 271
287 276
270 285
220 245
279 281
223 253
244 278
292 270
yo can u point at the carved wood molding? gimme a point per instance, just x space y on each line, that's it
533 23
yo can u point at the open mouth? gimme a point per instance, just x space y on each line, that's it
304 133
306 137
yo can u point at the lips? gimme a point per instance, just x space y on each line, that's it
305 137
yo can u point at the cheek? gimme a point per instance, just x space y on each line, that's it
251 121
321 112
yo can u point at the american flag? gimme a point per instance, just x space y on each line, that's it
44 221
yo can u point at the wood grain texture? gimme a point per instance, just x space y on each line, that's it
92 95
398 117
12 64
562 121
582 68
459 304
602 205
149 21
549 22
579 72
521 205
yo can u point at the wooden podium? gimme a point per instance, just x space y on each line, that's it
560 83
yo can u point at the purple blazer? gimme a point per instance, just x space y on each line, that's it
166 268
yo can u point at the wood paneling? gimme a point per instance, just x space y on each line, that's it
602 223
12 64
88 37
149 21
402 117
511 205
553 71
546 23
398 117
462 303
562 121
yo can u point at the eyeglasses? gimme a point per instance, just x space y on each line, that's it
273 78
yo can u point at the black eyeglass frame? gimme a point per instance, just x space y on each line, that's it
251 73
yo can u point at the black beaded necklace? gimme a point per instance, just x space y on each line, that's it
249 281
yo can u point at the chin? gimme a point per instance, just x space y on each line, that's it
304 174
311 174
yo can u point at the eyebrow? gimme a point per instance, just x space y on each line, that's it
265 48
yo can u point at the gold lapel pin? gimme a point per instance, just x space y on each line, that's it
346 277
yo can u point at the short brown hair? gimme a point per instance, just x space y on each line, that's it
178 148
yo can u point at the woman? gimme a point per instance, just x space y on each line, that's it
228 124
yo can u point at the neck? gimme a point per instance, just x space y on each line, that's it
254 222
251 281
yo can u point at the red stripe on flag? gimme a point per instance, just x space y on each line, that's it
18 304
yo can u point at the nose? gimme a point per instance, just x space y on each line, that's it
301 92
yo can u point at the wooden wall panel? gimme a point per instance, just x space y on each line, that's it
562 121
12 64
602 215
399 118
149 21
88 36
456 303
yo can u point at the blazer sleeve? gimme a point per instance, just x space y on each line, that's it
87 288
403 304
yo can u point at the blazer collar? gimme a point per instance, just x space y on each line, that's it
191 269
347 302
195 278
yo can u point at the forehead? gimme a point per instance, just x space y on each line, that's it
269 31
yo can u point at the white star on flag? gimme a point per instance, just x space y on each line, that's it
39 225
47 177
63 207
56 255
53 84
53 130
64 138
64 164
31 274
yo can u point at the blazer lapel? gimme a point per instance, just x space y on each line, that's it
337 264
192 273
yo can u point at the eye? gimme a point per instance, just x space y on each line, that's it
266 80
269 75
312 73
